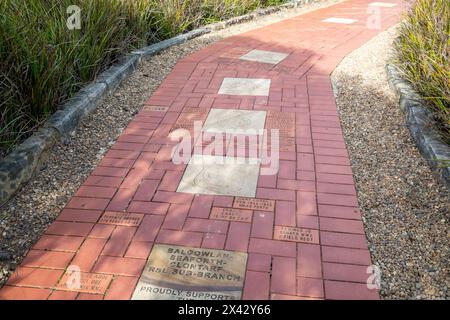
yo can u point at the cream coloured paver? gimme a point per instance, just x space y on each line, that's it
222 120
264 56
219 176
245 87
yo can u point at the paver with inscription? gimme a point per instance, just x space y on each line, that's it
185 273
254 204
122 219
217 175
296 234
197 110
94 283
221 120
231 214
155 108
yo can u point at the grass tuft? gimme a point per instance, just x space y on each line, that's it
422 54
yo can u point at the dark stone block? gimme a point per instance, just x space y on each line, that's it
421 124
19 166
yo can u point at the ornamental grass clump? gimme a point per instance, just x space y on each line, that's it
422 55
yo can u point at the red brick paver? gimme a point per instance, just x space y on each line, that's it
313 190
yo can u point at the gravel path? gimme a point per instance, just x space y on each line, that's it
406 212
27 216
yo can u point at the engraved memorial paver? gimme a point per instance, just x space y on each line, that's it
121 219
245 87
185 273
254 204
85 282
231 214
221 120
296 234
217 175
155 108
264 56
195 110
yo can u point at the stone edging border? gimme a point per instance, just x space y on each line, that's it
28 157
420 123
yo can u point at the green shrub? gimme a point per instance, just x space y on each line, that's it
422 54
43 63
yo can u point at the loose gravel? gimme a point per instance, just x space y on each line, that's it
405 209
33 209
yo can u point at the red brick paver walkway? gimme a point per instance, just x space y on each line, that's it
313 189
